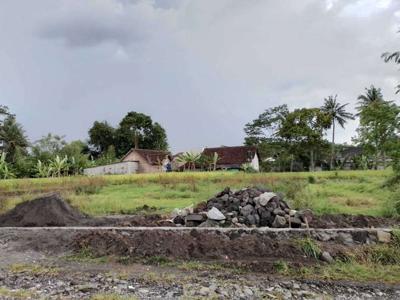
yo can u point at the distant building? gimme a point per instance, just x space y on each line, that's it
235 157
149 161
135 161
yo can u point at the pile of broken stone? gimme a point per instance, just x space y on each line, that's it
248 207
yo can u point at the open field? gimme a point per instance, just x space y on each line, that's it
350 192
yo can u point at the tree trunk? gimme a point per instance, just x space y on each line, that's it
312 167
332 146
291 163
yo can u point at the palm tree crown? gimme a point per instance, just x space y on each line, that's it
336 111
372 96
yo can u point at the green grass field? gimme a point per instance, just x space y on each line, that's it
353 192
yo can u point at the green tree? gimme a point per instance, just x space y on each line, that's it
303 129
138 130
379 129
101 136
13 139
338 114
48 147
263 132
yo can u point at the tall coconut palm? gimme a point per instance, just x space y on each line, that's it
372 96
338 114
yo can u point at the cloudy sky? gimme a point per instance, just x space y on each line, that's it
201 68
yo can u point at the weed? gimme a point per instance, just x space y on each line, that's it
310 248
33 269
157 260
87 190
86 255
15 294
311 179
112 296
396 238
281 266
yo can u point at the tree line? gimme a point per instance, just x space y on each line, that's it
52 156
295 140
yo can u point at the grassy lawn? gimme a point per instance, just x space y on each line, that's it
353 192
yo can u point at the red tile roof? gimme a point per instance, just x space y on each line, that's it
232 155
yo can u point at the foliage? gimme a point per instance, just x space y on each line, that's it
138 130
59 166
5 172
189 160
101 137
48 146
310 248
12 137
392 57
248 168
337 114
43 170
303 129
379 126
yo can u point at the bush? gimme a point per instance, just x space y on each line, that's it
310 248
311 179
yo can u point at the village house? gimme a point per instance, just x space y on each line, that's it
234 157
135 161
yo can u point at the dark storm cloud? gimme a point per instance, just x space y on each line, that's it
202 68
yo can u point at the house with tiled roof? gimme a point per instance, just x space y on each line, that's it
234 157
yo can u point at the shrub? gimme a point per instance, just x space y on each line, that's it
311 179
310 248
281 266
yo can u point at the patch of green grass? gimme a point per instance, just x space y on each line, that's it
86 255
15 294
33 269
281 267
112 296
310 248
353 271
352 192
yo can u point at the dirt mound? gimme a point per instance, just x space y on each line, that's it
190 245
50 210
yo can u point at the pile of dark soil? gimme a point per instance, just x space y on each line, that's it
50 210
190 245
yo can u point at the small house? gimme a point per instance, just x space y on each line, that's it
234 157
149 161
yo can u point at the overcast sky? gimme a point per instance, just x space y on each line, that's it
201 68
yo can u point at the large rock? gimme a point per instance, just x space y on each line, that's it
279 222
247 210
264 198
209 223
215 214
383 236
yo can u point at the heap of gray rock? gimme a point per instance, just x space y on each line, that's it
254 206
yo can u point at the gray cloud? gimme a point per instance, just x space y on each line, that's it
201 68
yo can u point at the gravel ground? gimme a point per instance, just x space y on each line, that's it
63 280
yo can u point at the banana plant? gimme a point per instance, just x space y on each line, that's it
43 170
190 159
59 166
5 172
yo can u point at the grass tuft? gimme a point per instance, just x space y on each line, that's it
310 248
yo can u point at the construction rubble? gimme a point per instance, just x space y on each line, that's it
248 207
